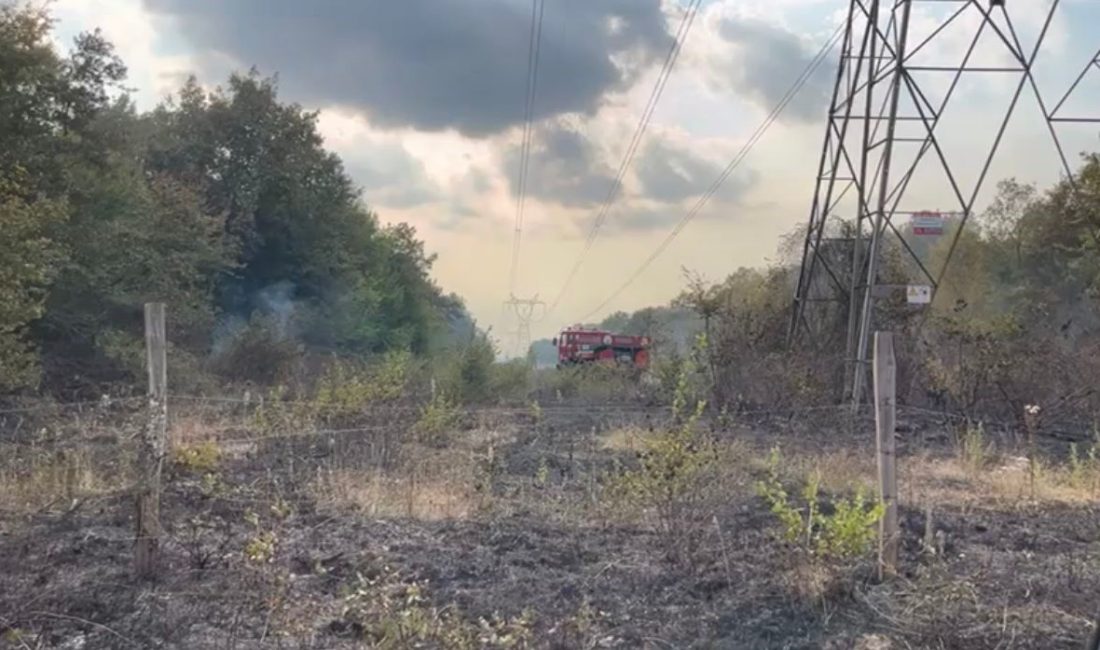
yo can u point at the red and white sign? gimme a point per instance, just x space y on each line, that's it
927 223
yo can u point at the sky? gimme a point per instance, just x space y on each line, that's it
424 102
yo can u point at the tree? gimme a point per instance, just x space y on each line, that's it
27 261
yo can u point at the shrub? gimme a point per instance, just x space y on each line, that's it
973 448
511 380
671 477
198 458
467 373
347 388
437 418
843 529
590 381
259 353
388 612
278 413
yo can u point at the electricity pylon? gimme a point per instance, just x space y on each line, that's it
525 310
884 157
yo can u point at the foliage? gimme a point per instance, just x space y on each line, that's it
258 352
386 611
199 458
843 528
1084 464
974 449
437 418
511 380
279 413
28 259
594 382
468 370
672 474
205 203
346 387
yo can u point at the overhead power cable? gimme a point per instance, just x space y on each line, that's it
733 164
534 47
635 142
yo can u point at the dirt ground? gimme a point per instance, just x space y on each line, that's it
501 536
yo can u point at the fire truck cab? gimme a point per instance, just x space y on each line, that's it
578 345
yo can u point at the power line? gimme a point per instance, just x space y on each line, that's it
635 141
733 164
534 47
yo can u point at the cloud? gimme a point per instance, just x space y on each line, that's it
761 61
390 176
432 64
670 172
565 168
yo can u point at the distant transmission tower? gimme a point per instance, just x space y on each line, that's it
884 159
525 310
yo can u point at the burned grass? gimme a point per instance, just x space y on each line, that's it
509 536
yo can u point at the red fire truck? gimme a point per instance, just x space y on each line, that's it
579 345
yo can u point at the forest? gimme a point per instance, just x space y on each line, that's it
224 204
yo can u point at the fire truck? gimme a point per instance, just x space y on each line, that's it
578 345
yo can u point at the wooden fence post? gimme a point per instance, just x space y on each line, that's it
153 445
885 375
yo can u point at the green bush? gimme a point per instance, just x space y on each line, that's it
845 528
199 458
467 372
672 476
437 418
511 380
974 450
347 387
389 612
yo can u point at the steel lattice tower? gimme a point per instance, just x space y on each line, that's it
884 149
525 310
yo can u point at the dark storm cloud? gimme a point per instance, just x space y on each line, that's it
769 59
431 64
565 168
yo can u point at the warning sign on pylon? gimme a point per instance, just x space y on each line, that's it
927 223
919 294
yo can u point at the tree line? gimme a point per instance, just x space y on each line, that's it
223 204
1015 321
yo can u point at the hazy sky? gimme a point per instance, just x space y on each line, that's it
424 101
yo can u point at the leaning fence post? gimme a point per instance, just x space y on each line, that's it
885 375
152 446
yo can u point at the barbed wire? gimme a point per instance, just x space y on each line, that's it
50 405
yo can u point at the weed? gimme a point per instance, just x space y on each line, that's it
202 457
1084 468
670 480
542 474
277 413
437 419
843 529
346 389
974 450
388 612
536 413
260 548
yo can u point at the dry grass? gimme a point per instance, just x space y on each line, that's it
190 430
629 439
33 481
1007 482
428 486
841 471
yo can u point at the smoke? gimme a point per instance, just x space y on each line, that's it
273 307
275 302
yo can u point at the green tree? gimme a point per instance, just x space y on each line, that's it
27 261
